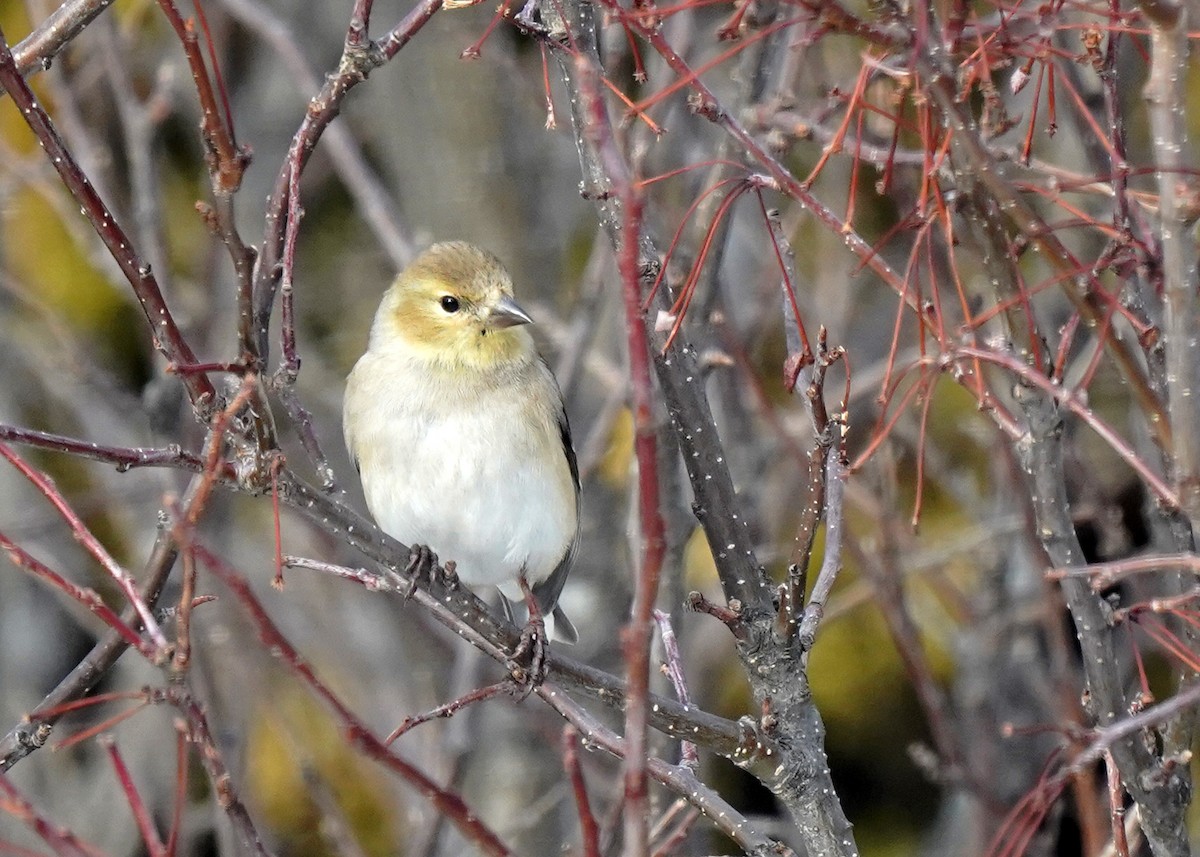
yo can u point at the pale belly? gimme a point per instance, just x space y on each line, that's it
481 492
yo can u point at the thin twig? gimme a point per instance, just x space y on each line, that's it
445 801
33 732
167 337
831 563
358 60
588 830
92 544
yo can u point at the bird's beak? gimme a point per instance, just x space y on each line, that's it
507 313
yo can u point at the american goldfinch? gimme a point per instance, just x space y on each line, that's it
458 430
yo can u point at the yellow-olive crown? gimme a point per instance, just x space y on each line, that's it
453 306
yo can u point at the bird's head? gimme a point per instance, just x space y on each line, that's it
454 306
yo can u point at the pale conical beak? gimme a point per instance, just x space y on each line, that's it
507 313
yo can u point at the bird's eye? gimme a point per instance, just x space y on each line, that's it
449 303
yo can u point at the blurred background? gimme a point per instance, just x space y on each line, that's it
944 670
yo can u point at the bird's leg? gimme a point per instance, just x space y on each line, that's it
421 563
532 646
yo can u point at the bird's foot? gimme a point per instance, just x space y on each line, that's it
421 564
527 664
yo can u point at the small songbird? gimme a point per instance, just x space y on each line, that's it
458 430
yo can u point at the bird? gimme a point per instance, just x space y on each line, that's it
458 430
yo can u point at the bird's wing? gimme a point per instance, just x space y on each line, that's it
548 590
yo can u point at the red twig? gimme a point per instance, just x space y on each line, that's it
216 127
444 801
85 537
588 829
64 842
359 58
167 337
1073 403
195 724
183 637
181 784
141 815
711 107
479 694
105 725
86 596
635 637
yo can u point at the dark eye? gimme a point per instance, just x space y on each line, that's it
449 303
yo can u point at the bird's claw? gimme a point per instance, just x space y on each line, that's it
527 663
421 563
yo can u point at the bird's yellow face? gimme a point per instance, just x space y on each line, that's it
454 307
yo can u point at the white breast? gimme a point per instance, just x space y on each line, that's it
469 469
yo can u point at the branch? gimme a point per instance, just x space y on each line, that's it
1167 98
831 563
37 50
359 58
459 610
92 545
444 801
35 728
1160 790
635 637
375 204
681 780
124 458
64 842
800 776
168 339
